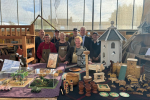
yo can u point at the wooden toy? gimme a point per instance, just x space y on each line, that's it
71 85
88 91
67 88
141 89
99 77
103 87
112 79
81 87
148 95
121 82
138 93
94 86
148 88
146 84
113 86
144 77
87 77
122 89
64 83
112 75
131 66
130 89
141 79
136 85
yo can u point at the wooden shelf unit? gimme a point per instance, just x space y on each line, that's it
21 36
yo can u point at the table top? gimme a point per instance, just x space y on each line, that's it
74 95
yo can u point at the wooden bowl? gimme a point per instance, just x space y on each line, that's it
72 76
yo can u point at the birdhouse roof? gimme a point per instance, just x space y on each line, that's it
144 24
111 34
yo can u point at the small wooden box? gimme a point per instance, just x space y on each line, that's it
131 63
103 87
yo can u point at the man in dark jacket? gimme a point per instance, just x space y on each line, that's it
38 40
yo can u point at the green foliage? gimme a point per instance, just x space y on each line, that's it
43 82
35 89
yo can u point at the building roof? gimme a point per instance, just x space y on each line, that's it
111 34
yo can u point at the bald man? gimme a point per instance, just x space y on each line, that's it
38 40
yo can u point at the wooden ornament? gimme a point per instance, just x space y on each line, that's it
141 89
122 89
67 88
87 77
64 83
71 85
99 77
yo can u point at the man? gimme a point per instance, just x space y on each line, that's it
71 39
38 40
45 48
56 37
96 51
86 40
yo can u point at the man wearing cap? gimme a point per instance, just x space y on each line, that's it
71 39
96 51
38 40
56 37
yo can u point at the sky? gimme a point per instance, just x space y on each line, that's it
75 9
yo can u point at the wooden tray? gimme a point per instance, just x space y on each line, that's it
75 69
103 88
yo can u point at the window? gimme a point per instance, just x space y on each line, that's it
103 54
112 45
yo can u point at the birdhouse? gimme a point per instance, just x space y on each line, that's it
143 28
111 45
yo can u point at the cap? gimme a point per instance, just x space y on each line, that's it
75 29
95 33
56 30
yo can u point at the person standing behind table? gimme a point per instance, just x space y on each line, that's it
62 48
71 39
96 48
45 48
86 41
71 56
56 37
39 39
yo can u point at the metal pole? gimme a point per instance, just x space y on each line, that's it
143 11
92 15
100 12
17 13
133 13
67 14
51 10
41 14
34 10
117 14
84 13
1 11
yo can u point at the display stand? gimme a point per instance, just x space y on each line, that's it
22 36
87 77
